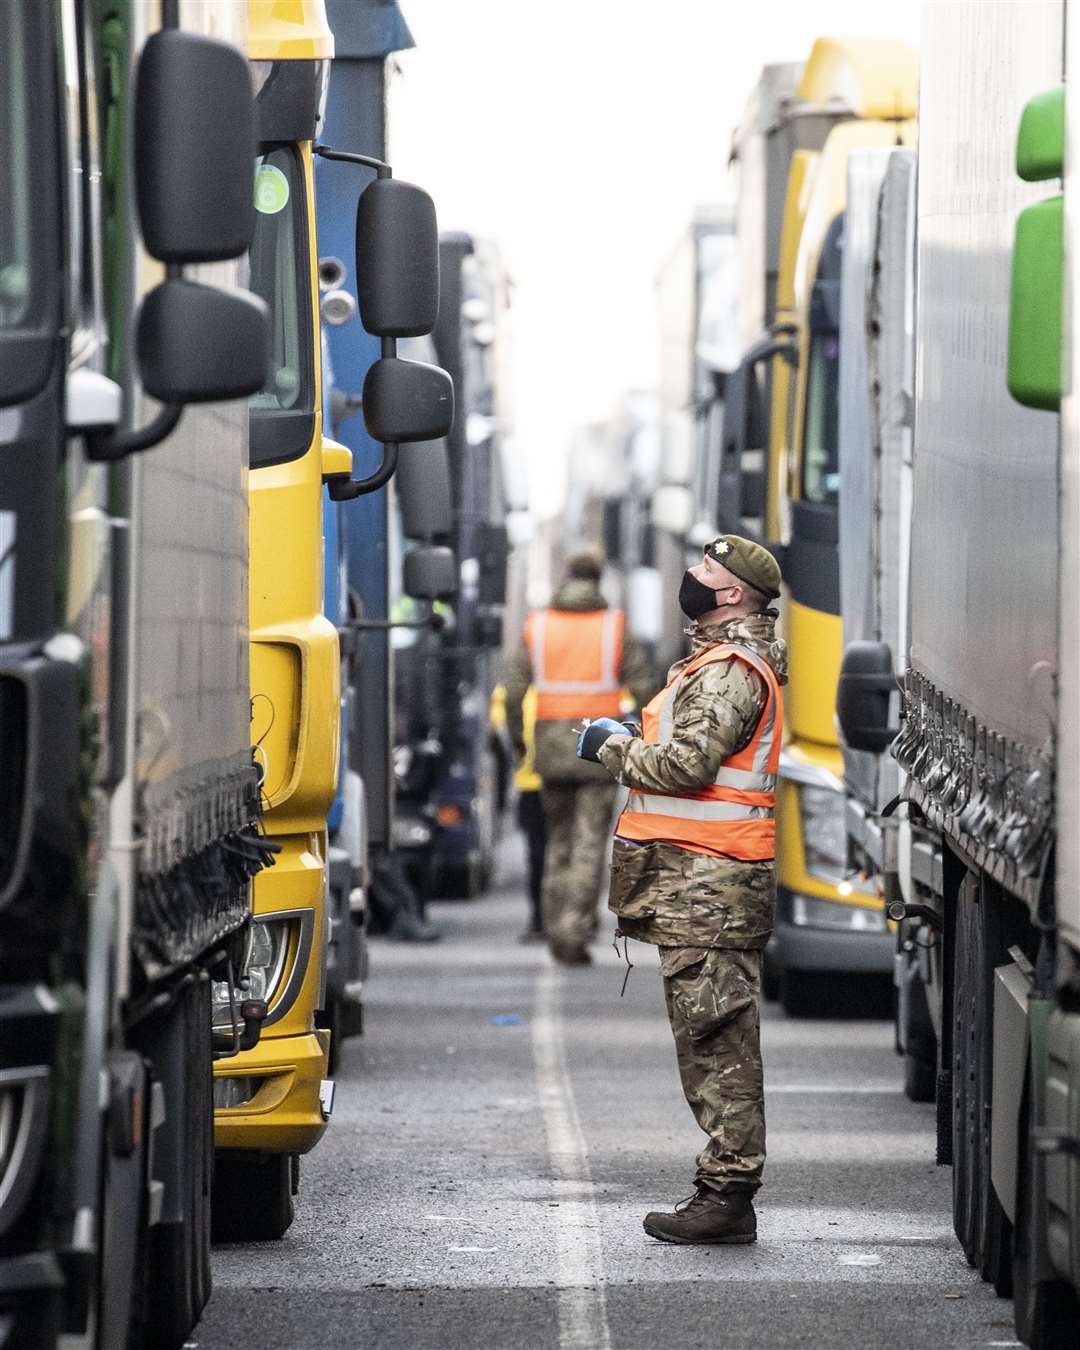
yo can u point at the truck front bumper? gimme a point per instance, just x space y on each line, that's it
281 1080
31 1300
795 946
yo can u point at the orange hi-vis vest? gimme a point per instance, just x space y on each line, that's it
734 817
576 661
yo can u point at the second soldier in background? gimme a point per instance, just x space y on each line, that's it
579 657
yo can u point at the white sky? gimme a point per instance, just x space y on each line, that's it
580 135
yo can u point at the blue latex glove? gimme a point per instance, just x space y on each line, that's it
595 734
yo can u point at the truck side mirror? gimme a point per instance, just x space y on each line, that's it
194 148
423 489
492 553
397 259
397 286
1035 344
197 344
489 631
429 573
752 493
194 343
751 426
407 401
863 694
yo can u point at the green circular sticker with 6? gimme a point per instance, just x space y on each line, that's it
271 190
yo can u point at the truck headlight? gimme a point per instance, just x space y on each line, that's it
810 911
824 833
264 966
231 1090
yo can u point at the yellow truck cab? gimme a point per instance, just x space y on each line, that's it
850 93
272 1102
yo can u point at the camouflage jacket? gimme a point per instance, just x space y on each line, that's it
556 742
667 895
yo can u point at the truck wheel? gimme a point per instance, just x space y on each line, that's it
253 1197
1047 1314
978 1217
801 993
965 1059
920 1078
179 1279
770 980
330 1020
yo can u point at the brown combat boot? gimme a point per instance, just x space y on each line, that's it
568 953
708 1217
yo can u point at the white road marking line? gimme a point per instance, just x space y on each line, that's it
583 1323
835 1089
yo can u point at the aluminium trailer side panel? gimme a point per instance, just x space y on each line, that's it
984 536
891 318
859 451
984 540
195 781
760 153
185 779
876 392
1067 868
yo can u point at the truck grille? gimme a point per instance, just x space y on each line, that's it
23 1123
13 711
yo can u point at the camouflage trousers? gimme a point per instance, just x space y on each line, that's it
714 1003
578 822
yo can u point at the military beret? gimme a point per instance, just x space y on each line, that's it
750 562
585 564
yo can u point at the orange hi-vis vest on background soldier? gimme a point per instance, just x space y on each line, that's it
733 817
576 659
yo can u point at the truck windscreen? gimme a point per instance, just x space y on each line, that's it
821 438
282 413
15 247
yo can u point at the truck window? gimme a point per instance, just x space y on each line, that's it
15 81
821 450
282 413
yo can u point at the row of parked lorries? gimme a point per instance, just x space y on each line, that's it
207 368
870 353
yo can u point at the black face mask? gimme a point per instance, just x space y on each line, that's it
695 598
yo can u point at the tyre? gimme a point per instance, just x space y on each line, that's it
801 993
980 1221
967 1219
179 1279
330 1020
1046 1314
770 981
920 1078
462 881
253 1197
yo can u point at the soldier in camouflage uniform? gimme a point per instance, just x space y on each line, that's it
578 798
710 916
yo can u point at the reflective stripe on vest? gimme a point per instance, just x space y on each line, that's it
576 661
733 817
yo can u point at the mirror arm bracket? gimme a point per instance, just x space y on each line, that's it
434 623
106 446
342 489
348 157
348 489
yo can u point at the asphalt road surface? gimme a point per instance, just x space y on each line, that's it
503 1127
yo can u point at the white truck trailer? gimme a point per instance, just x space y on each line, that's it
988 863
